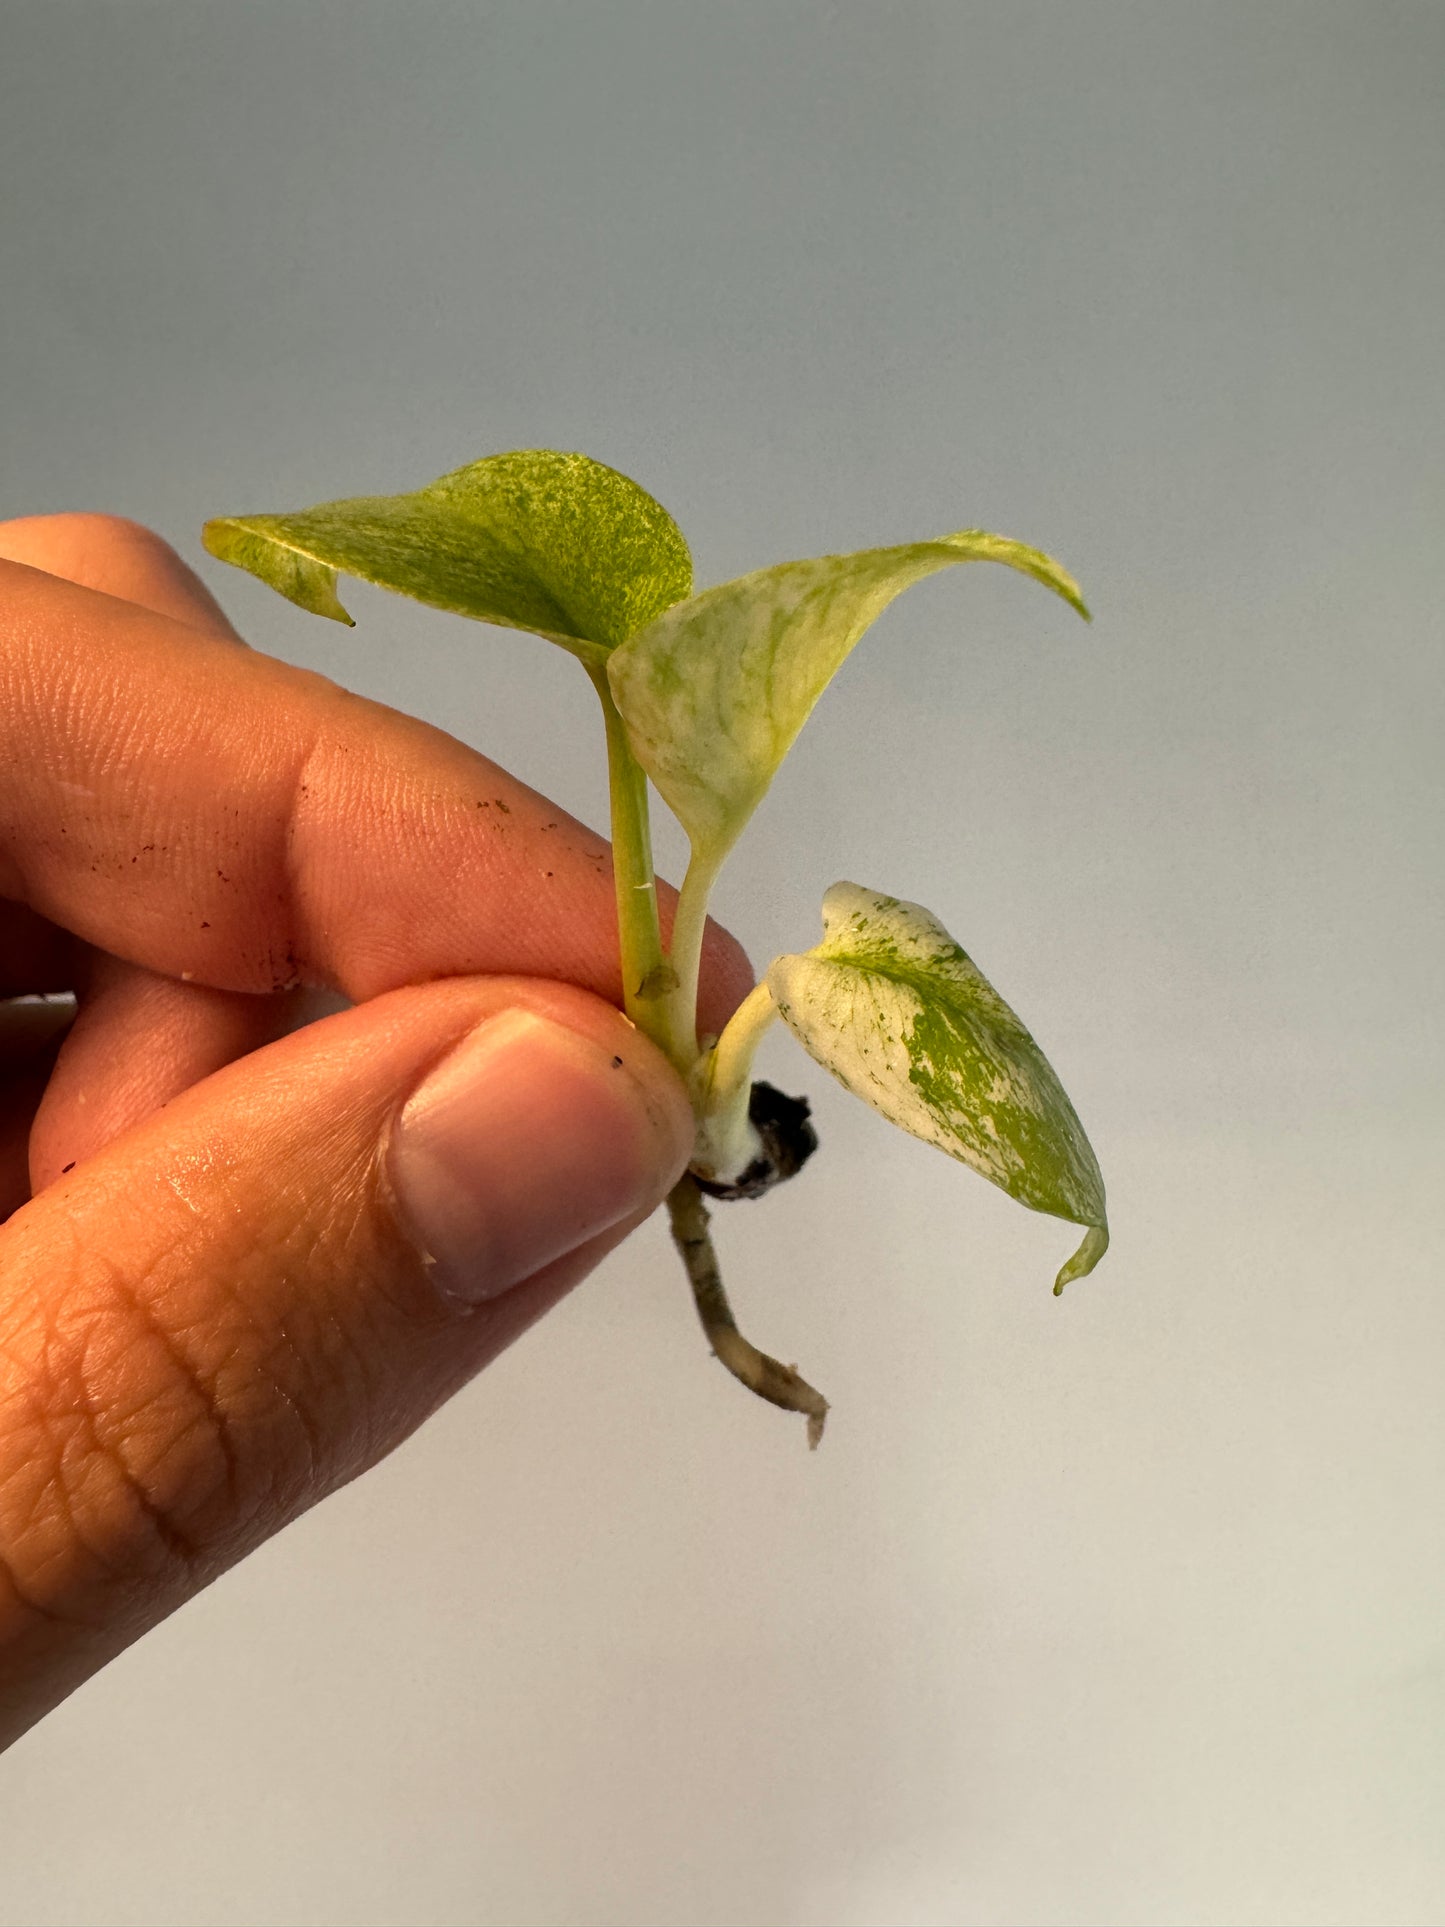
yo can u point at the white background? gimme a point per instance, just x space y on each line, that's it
1124 1608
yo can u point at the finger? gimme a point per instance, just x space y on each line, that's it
245 1302
208 812
141 1039
119 558
138 1041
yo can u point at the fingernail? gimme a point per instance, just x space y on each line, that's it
524 1142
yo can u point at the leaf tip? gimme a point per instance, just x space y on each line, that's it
1095 1244
312 587
250 543
213 538
1064 584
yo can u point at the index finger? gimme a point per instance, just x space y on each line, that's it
221 817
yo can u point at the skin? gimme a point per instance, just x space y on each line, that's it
212 1312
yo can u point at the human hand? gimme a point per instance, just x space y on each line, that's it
240 1260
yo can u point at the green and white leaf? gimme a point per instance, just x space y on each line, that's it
902 1017
553 543
715 690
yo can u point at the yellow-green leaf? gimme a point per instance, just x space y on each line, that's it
554 543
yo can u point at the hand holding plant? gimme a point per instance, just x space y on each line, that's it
244 1254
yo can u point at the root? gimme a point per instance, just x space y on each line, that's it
779 1384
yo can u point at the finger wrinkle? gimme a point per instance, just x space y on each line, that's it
59 1565
117 1458
173 1468
109 1503
32 1489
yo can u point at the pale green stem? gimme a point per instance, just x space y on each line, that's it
688 928
726 1074
646 976
727 1139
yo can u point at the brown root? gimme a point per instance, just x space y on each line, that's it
779 1384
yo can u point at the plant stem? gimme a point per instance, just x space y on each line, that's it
647 977
661 999
779 1384
728 1142
688 928
730 1064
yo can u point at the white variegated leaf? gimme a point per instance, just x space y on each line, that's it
715 689
902 1017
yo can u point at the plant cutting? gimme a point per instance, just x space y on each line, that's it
704 694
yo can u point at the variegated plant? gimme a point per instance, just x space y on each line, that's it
705 694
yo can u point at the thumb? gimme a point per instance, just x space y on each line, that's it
246 1300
